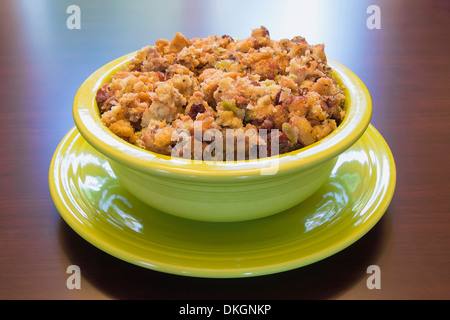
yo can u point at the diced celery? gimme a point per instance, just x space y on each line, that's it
249 115
227 105
290 132
224 65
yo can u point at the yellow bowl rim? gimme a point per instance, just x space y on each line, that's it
358 109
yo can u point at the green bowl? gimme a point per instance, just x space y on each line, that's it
222 191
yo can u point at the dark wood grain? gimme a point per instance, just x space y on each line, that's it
405 66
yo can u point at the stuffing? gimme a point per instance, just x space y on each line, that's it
258 86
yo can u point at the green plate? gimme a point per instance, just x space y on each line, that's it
92 201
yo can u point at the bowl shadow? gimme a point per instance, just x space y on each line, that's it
324 279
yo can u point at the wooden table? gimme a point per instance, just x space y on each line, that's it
405 66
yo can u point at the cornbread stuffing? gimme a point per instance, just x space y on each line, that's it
284 87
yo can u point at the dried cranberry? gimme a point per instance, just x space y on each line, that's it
102 95
241 102
282 143
282 138
225 36
265 32
277 97
267 124
196 108
161 76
